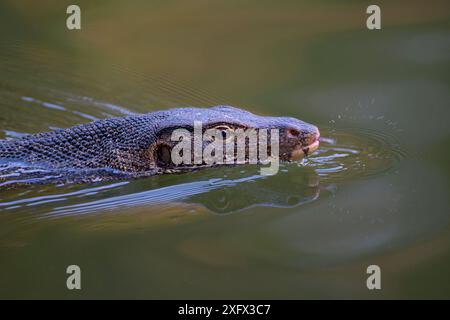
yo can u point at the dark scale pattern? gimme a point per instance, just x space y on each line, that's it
113 143
128 144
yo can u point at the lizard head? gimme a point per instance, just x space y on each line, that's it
189 133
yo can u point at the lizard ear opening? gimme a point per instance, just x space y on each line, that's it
163 155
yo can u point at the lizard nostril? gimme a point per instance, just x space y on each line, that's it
292 133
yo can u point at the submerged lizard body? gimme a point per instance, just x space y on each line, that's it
137 145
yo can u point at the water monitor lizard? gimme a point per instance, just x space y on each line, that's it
140 145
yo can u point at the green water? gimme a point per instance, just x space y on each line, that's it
376 192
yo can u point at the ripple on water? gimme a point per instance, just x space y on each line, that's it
354 152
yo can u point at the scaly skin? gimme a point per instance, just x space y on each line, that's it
130 144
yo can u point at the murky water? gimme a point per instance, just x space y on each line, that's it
376 192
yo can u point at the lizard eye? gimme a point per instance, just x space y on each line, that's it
227 132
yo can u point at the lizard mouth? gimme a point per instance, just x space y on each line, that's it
304 151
